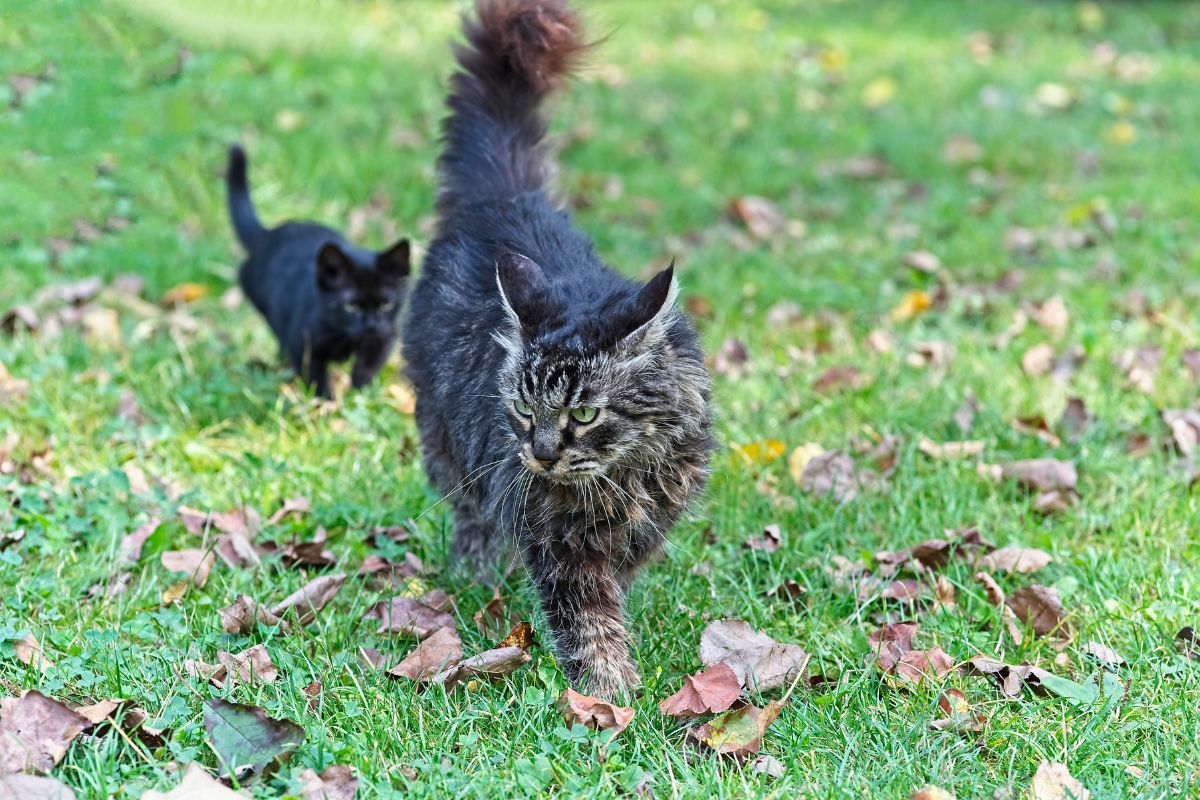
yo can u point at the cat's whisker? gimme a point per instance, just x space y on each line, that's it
463 484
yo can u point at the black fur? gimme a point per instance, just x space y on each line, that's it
325 299
515 326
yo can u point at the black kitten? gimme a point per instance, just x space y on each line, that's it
325 299
558 402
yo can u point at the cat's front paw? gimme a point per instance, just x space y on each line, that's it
610 680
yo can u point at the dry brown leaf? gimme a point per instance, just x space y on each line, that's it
1009 677
308 554
314 691
768 765
593 713
29 651
931 793
1040 608
922 261
244 613
292 506
957 714
732 359
438 652
130 549
1053 781
1105 655
1185 429
493 619
197 784
197 563
1139 365
833 473
1051 316
945 595
836 379
1022 560
758 660
409 616
1075 418
336 782
768 542
249 667
1189 641
35 732
309 599
1043 474
790 590
492 663
520 636
17 786
950 450
760 216
1038 359
708 692
995 595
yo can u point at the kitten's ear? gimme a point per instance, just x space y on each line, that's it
395 261
334 267
523 288
647 310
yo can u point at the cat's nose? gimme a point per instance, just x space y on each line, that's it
545 453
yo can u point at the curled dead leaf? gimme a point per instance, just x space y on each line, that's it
1053 781
493 663
758 660
35 732
1022 560
593 713
707 692
438 652
1040 608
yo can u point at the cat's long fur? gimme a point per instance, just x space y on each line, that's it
325 299
515 312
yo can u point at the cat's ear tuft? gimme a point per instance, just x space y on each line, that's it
523 288
648 309
334 267
396 261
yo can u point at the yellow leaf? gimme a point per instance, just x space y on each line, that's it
800 457
761 452
913 304
175 592
879 92
184 293
402 397
833 59
1121 132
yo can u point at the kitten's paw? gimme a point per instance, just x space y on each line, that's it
618 680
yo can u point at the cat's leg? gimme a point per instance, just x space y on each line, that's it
474 543
371 356
317 376
584 602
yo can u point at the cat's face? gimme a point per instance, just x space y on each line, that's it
362 296
583 394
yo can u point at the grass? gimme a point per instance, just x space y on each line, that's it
687 106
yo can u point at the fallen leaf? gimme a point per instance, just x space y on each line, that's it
800 458
732 359
1075 418
1191 360
738 733
102 326
964 415
197 784
245 739
760 216
1054 96
520 636
933 354
913 304
1009 677
249 667
879 92
1036 426
183 294
768 765
759 661
336 782
1038 359
314 691
1043 474
1040 608
789 590
833 473
197 563
1053 781
592 712
15 786
931 793
244 613
1051 316
891 647
1022 560
1185 429
493 619
408 616
768 541
292 506
865 167
762 452
1139 365
950 450
957 714
35 732
440 651
309 599
308 554
995 595
29 651
490 663
1189 641
708 692
922 261
130 549
945 594
1105 655
836 379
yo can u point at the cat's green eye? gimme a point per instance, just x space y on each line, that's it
523 408
584 414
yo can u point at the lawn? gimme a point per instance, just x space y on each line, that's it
930 176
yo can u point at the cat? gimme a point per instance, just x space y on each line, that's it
325 299
559 404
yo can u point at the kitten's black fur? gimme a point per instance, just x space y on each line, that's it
325 299
558 402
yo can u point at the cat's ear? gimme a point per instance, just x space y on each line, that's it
334 267
395 262
646 312
523 288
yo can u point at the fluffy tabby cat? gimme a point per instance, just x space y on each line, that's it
325 299
559 403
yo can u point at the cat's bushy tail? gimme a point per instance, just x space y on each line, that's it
516 53
241 210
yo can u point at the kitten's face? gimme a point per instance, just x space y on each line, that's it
580 398
362 298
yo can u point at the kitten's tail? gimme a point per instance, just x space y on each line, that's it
517 53
241 210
